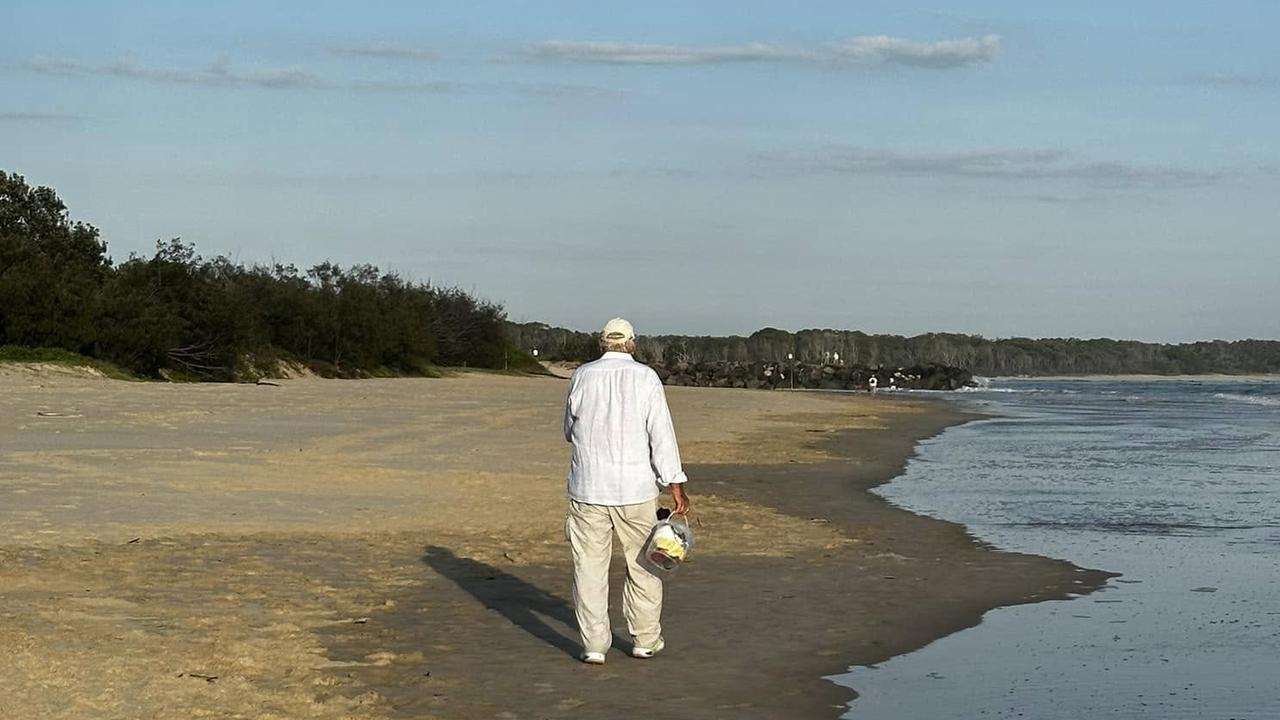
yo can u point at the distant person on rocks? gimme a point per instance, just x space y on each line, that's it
624 452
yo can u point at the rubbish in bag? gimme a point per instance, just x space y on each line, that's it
669 543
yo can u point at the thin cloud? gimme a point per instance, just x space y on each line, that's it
37 117
1131 173
386 49
1100 196
1236 80
392 86
220 73
216 74
617 53
1000 164
561 91
871 160
1052 199
865 50
885 50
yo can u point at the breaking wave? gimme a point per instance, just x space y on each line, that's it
1250 399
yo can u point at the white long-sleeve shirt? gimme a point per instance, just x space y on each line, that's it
624 446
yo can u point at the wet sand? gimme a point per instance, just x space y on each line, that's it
394 549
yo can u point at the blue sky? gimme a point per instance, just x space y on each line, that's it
1002 168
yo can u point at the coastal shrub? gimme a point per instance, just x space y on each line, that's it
50 269
178 314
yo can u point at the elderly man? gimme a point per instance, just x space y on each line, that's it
624 452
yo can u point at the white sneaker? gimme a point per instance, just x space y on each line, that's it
648 652
593 658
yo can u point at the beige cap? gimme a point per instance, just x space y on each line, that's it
618 329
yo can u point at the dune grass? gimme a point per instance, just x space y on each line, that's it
58 356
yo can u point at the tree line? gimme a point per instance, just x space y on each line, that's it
982 356
176 312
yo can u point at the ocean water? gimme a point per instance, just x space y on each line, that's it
1175 484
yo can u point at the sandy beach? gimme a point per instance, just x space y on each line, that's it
394 549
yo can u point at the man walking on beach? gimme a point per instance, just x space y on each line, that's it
624 452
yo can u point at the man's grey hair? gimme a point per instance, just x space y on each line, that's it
624 346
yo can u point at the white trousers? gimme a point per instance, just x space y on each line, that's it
590 530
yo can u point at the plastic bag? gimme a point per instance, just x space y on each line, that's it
669 544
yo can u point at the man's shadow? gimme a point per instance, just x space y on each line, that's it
523 604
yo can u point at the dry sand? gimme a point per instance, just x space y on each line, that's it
394 549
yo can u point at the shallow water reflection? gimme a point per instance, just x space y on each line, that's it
1174 484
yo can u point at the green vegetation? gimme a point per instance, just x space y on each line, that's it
180 315
982 356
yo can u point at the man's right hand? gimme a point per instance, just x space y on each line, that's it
681 500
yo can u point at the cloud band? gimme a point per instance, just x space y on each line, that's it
1006 164
864 50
